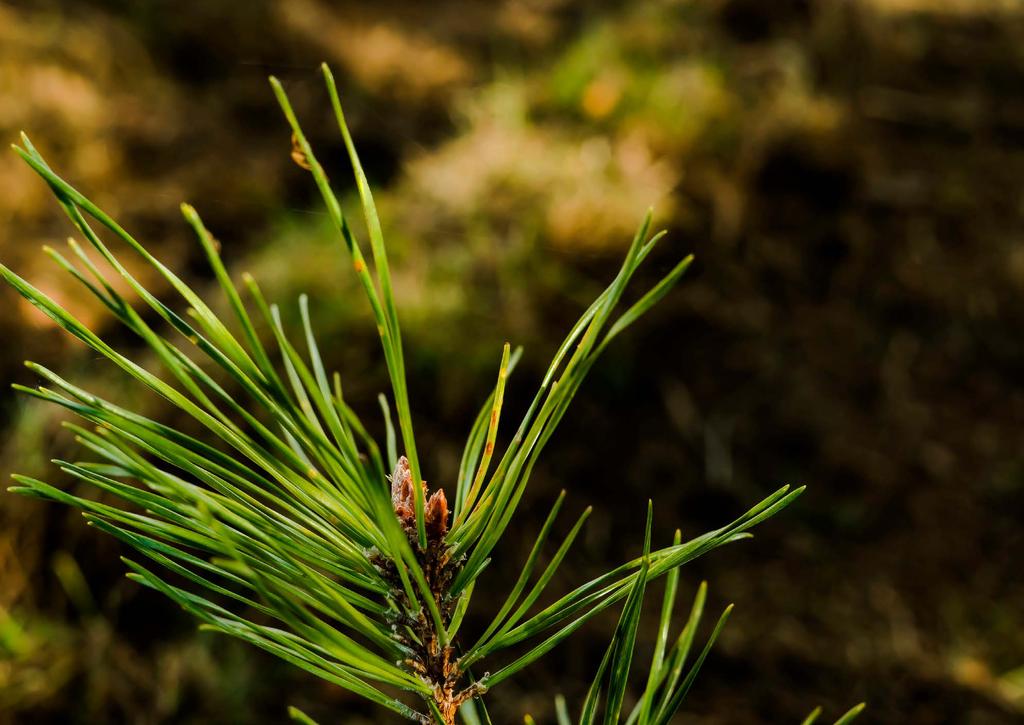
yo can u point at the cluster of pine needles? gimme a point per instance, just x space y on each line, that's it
286 525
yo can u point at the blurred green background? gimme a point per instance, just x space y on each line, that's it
850 176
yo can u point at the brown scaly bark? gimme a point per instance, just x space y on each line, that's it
437 665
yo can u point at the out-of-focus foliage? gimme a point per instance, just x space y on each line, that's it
848 175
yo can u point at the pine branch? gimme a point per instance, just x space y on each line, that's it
278 525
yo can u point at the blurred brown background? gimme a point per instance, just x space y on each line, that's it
850 175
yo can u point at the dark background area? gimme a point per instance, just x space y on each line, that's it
849 177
